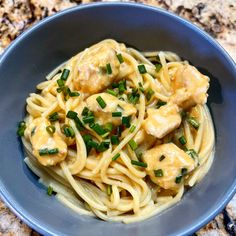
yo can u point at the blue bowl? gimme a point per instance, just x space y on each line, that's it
37 51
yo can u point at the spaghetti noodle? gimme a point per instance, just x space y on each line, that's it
117 133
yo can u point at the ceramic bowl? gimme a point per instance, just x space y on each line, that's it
41 48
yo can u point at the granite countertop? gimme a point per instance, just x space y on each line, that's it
217 17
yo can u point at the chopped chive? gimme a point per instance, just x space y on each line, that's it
193 122
134 99
51 129
78 123
116 114
115 157
65 130
105 135
160 104
101 102
59 90
182 140
141 88
115 140
132 128
85 111
158 173
134 96
92 144
43 152
21 128
162 157
103 146
86 137
184 171
192 153
112 92
98 129
54 116
71 115
49 190
178 179
65 74
122 86
133 145
120 58
60 83
158 67
68 131
108 68
66 92
74 94
108 127
21 124
149 94
139 163
109 190
114 85
91 125
126 121
53 151
88 119
142 69
183 114
46 151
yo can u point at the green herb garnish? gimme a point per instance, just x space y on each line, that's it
51 129
158 173
133 145
54 116
139 163
142 69
120 58
101 102
21 128
115 157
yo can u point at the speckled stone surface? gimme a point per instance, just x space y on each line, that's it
217 17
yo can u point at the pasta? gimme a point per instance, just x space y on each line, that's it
119 134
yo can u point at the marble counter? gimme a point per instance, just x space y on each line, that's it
217 17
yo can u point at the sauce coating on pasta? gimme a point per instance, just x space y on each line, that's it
119 133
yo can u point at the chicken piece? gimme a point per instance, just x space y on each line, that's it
169 160
162 121
144 140
41 139
190 87
92 70
113 104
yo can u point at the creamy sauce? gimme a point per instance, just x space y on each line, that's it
41 139
175 159
190 87
113 104
92 76
144 140
162 121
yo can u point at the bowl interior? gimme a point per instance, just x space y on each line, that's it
55 40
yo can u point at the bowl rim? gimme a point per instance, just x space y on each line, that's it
15 208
